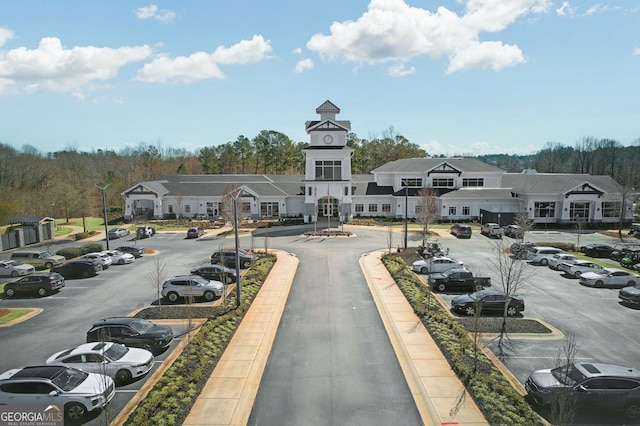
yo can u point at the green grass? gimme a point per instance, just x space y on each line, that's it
13 314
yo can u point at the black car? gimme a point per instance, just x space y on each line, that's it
130 331
227 257
41 284
597 250
487 301
195 232
137 252
79 269
216 272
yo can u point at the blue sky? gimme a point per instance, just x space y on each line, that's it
455 77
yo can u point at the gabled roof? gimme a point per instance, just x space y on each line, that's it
328 125
424 165
557 183
329 107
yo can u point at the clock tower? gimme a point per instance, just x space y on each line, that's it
328 188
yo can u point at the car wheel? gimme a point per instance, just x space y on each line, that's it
14 274
246 264
42 292
511 311
631 284
632 410
172 296
48 265
478 287
599 283
75 411
442 287
121 262
544 261
123 376
229 280
9 292
209 296
577 274
424 270
470 311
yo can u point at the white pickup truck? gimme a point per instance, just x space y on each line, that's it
491 230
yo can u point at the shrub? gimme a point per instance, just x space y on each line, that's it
91 248
70 252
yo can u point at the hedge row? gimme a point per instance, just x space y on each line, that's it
500 403
73 252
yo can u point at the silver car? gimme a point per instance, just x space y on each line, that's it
12 268
609 277
191 286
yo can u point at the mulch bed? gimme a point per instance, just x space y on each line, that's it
514 325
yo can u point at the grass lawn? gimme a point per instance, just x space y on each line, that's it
7 314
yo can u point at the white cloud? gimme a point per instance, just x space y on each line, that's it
565 10
392 31
202 65
637 51
5 35
399 70
152 11
52 68
303 65
297 51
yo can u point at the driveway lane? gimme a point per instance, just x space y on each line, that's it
332 362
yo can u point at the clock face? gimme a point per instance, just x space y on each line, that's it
328 139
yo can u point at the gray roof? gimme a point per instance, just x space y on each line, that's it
29 220
423 165
479 193
556 183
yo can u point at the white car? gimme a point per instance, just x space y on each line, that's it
436 264
118 232
104 259
609 277
557 259
12 268
118 257
191 285
111 359
74 391
579 267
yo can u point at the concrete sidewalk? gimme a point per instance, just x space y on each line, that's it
228 395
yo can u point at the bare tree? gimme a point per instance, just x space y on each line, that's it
427 210
563 404
389 238
158 276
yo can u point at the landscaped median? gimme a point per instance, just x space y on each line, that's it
499 402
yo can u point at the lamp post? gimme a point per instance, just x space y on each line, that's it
234 196
406 212
104 207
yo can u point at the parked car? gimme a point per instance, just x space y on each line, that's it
115 233
487 301
491 230
131 331
137 252
557 259
119 258
519 249
13 268
461 230
458 279
227 257
216 272
436 264
604 386
40 259
629 295
625 250
513 231
79 269
40 283
111 359
609 277
195 232
542 254
75 391
102 257
579 267
143 231
597 250
191 285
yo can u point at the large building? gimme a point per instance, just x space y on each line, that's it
464 189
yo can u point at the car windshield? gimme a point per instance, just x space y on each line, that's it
10 263
478 295
200 280
116 351
447 273
141 326
568 375
69 379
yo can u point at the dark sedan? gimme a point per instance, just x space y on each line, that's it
216 273
487 301
78 269
628 295
597 250
131 331
137 252
40 283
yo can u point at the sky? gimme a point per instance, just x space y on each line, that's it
455 77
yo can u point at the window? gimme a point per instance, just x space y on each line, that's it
611 209
246 208
412 182
187 208
442 182
373 208
386 208
579 211
328 170
452 211
346 190
310 191
472 182
170 208
544 209
466 211
359 208
213 209
269 209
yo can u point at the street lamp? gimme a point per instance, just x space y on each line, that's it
104 207
406 211
234 196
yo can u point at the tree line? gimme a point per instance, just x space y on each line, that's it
67 183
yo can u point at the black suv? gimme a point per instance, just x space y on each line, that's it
39 283
78 269
129 331
216 272
227 257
